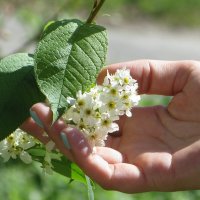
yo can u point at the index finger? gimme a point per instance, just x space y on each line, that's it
154 76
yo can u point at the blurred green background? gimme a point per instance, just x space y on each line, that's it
24 182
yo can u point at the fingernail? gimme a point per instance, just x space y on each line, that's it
65 140
36 119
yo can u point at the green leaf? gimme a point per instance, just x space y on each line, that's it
67 168
68 59
62 166
18 90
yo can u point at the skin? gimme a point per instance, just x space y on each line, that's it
158 149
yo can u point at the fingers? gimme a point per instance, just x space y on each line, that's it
32 128
42 116
110 155
105 166
156 77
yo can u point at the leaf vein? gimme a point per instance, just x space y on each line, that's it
93 48
93 62
78 62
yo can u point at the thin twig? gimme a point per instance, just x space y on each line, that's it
97 6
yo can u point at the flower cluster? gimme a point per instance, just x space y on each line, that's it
15 145
19 143
95 112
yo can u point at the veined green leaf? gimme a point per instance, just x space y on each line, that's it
62 166
18 90
69 169
68 59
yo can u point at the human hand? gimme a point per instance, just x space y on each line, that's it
157 149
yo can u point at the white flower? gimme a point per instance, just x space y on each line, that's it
124 77
108 125
95 138
72 114
16 145
111 80
110 105
26 141
25 157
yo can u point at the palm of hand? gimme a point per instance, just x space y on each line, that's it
164 142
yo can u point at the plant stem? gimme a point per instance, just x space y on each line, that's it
97 6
